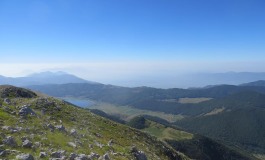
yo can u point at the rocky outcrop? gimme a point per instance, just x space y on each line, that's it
43 154
72 144
72 156
73 132
60 128
25 110
10 141
7 101
58 154
24 157
27 144
139 155
15 92
106 157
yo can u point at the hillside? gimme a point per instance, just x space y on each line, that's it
256 83
162 100
35 127
232 114
236 119
195 146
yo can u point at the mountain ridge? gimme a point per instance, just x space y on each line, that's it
43 78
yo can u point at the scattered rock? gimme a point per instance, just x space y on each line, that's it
72 156
58 154
72 119
7 101
25 157
27 144
78 142
3 153
25 110
82 157
73 132
94 155
72 144
43 154
37 144
23 138
98 135
110 143
8 110
98 144
32 136
60 128
10 141
51 127
8 128
106 157
139 155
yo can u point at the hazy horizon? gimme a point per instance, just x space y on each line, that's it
190 80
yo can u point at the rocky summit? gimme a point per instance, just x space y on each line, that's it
37 127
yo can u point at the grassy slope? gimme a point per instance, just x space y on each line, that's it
241 121
126 113
163 132
195 146
88 126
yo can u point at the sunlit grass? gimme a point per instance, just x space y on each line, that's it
126 112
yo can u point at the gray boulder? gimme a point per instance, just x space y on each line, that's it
106 157
94 155
73 132
110 143
139 155
25 110
37 144
10 141
43 154
27 144
82 157
51 127
58 154
72 144
25 157
10 129
60 128
8 110
7 101
3 153
72 156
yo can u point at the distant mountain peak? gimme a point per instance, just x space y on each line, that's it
48 73
42 78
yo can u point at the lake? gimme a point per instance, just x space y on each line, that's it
84 103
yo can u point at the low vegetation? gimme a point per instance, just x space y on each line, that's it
50 128
127 113
194 146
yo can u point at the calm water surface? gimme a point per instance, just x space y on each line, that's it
84 103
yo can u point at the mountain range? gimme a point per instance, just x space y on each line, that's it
43 78
198 80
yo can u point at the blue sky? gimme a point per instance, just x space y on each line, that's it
144 33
